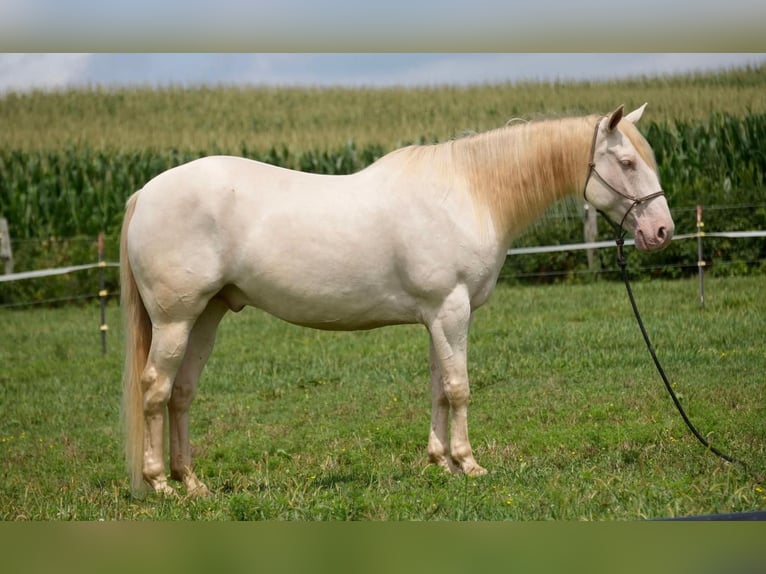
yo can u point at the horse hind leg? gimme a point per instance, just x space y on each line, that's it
184 389
169 342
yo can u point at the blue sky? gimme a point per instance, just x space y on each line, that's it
22 71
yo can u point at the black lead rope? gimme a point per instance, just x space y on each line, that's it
623 263
619 232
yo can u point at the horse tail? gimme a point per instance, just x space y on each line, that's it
138 337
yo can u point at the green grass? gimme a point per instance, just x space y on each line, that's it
567 413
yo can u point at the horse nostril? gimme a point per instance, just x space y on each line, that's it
662 233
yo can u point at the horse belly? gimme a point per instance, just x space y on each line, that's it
324 302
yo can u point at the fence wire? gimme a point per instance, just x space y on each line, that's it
517 252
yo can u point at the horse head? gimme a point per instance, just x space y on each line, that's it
623 182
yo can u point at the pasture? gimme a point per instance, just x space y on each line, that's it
567 413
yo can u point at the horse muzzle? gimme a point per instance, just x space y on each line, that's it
654 235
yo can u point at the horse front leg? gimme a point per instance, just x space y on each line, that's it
438 437
450 388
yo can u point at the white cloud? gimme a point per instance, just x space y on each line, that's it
28 71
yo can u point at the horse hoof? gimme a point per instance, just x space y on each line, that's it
475 470
164 489
198 491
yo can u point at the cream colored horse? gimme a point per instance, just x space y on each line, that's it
417 237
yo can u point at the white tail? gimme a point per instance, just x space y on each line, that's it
138 337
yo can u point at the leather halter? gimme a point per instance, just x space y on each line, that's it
592 170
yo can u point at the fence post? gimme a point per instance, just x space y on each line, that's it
102 292
6 253
590 232
700 260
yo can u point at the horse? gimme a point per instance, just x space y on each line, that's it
417 237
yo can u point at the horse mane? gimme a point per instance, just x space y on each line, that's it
515 172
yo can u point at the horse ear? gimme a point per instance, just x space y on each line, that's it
635 115
614 118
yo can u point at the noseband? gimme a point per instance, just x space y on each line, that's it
619 230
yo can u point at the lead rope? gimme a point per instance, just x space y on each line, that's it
619 232
623 264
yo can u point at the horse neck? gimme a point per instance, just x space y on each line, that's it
515 173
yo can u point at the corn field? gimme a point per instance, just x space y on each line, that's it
81 191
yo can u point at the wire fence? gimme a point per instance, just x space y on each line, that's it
102 294
514 252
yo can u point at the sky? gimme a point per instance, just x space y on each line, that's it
53 44
26 71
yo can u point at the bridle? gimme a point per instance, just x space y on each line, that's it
618 229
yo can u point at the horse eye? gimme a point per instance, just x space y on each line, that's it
627 163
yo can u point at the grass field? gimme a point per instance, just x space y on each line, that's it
567 413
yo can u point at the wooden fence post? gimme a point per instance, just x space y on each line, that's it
6 253
590 231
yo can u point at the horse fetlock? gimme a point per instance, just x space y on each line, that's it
445 463
153 470
464 459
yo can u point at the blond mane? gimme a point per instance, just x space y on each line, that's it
515 172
